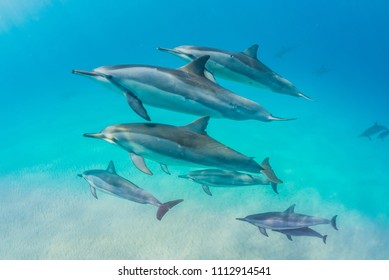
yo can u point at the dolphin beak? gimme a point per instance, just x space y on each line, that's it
241 219
79 175
94 135
86 73
173 51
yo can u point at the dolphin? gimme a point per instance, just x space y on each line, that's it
283 51
285 220
186 89
180 145
241 67
305 231
110 182
373 130
226 178
383 134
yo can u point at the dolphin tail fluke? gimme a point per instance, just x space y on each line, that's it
165 207
325 239
274 187
333 222
273 118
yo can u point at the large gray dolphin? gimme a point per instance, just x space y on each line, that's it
373 130
227 179
242 67
110 182
185 89
306 231
179 145
285 220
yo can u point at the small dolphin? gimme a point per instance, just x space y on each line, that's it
110 182
283 51
321 71
373 130
180 145
226 178
241 67
305 231
383 134
285 220
186 89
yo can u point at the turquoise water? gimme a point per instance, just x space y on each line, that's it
47 212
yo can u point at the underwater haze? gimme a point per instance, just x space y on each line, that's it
335 52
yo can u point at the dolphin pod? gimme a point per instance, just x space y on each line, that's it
241 67
110 182
288 222
186 89
192 89
374 129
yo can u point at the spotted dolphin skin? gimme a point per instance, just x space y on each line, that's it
186 89
306 231
285 220
110 182
226 179
241 67
179 145
374 129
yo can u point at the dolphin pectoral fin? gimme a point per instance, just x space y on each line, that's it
289 237
139 162
93 191
206 189
198 126
252 51
274 187
136 105
164 168
290 209
164 207
263 231
333 222
325 239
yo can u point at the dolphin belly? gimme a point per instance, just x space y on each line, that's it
160 98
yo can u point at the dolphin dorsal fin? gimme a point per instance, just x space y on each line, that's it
111 168
197 66
252 51
198 126
290 209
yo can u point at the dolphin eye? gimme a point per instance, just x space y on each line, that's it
231 56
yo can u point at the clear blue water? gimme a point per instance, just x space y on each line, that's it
47 212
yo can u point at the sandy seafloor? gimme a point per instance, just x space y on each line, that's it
47 212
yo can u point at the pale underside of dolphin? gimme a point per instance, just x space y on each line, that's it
226 179
306 231
185 89
285 220
241 67
178 145
110 182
